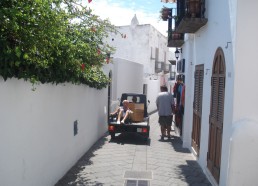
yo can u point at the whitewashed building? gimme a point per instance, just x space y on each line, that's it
145 45
220 122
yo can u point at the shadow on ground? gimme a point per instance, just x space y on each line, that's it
176 143
130 138
193 174
71 178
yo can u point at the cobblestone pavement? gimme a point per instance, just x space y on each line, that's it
130 161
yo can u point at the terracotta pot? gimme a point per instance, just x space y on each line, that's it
176 36
165 14
194 7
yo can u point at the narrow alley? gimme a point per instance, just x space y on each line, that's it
130 161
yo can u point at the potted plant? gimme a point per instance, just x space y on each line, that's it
165 13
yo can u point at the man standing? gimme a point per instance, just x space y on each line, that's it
165 103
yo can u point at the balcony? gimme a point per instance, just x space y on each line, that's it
158 66
190 16
161 66
175 39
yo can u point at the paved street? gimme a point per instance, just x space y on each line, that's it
130 161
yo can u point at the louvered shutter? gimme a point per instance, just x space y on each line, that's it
197 107
216 114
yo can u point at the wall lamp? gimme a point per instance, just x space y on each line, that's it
177 52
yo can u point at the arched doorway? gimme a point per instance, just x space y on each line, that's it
216 114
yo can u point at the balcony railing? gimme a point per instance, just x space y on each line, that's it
175 39
190 16
161 66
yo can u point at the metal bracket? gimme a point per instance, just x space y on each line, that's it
227 44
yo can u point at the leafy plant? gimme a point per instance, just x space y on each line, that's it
53 41
165 13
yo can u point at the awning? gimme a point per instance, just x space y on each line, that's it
168 1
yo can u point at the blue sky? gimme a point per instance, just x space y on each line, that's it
121 12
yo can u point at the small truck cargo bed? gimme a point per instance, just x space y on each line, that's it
138 120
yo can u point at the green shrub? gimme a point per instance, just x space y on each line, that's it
53 41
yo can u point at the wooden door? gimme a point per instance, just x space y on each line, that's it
216 114
197 107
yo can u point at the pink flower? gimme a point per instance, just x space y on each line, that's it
83 66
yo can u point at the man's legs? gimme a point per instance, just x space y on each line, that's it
163 130
126 116
162 122
119 116
168 130
169 124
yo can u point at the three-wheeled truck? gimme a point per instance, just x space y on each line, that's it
138 120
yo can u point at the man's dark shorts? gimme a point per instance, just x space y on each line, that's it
165 121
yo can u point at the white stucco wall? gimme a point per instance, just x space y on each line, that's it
242 165
152 92
137 46
189 89
133 47
243 152
127 76
245 102
37 140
